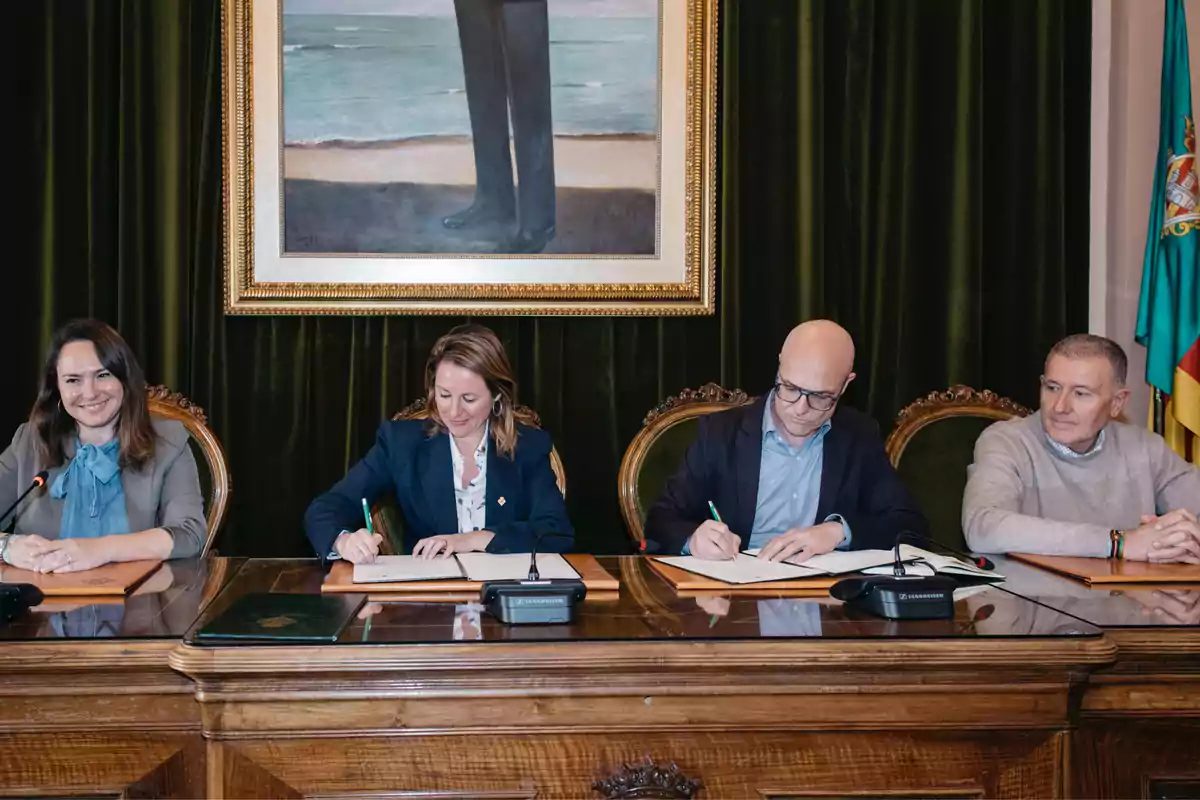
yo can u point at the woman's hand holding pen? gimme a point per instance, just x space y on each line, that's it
714 541
358 547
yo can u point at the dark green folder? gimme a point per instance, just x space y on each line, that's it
284 617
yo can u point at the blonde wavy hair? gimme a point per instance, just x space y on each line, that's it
478 349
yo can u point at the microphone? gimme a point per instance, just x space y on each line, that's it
975 561
17 597
534 575
39 480
532 601
900 596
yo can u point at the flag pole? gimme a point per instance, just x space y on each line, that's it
1160 413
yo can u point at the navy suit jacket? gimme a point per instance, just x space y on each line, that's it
722 465
417 469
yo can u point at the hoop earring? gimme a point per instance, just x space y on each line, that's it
496 405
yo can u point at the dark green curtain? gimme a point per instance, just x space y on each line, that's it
915 169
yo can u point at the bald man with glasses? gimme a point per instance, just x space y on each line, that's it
793 473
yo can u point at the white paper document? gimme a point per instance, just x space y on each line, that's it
837 562
515 567
397 569
743 569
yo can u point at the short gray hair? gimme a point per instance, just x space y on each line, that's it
1089 345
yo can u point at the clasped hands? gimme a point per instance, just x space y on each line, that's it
714 541
37 554
1173 537
362 546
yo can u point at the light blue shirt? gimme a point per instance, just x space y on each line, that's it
1067 452
789 483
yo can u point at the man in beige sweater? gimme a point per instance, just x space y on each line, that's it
1060 481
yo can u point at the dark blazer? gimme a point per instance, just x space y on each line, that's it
722 465
418 470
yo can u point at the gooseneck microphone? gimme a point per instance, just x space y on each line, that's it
534 575
900 595
17 597
39 480
898 566
532 601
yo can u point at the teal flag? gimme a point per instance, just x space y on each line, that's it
1168 321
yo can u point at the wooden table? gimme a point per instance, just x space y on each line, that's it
1139 726
749 696
88 703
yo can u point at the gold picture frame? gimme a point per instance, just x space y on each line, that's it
262 278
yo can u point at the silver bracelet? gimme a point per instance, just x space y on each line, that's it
4 549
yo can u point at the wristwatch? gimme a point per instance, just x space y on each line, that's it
333 554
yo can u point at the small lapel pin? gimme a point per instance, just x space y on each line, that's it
500 501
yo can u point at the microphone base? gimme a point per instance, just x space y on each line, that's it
16 598
550 602
898 598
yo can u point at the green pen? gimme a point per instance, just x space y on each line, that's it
713 510
367 516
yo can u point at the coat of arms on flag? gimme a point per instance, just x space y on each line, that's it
1183 186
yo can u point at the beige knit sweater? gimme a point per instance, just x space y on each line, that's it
1023 496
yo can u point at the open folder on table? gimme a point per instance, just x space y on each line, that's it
463 566
747 568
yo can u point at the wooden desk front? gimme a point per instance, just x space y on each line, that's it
752 697
1139 723
88 703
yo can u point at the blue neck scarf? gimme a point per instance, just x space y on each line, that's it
95 498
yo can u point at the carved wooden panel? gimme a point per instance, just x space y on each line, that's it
648 779
1137 758
722 765
124 764
1172 788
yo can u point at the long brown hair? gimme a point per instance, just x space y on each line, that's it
478 349
53 426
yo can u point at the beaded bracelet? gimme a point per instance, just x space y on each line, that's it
1116 546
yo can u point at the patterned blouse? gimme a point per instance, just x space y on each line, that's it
470 503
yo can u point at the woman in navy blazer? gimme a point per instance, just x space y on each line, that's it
469 478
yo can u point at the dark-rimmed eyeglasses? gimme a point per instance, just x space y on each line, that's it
817 401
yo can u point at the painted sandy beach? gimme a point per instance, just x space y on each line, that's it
397 193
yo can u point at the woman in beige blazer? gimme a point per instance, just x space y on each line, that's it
120 486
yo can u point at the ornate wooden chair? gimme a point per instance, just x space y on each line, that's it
932 444
657 450
211 464
387 518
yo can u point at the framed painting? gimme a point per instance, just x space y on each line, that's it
470 156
